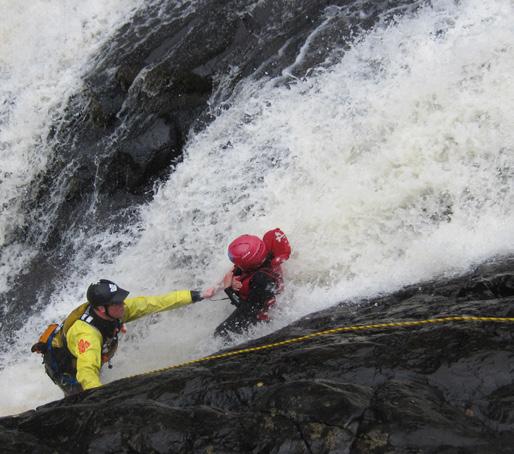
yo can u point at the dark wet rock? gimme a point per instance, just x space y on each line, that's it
437 388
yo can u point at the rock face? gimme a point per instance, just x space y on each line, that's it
438 388
166 73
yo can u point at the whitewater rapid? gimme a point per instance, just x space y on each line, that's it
392 166
46 46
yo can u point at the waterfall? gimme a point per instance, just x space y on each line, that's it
389 165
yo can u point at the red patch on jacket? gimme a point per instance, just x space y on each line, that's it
83 345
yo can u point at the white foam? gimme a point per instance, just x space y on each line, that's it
45 47
393 166
23 387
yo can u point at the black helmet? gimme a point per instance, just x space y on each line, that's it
105 292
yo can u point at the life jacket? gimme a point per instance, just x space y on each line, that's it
109 330
245 278
53 339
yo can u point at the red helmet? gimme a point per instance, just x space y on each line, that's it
247 252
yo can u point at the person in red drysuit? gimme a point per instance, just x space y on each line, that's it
255 279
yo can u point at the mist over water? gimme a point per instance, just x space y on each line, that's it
394 165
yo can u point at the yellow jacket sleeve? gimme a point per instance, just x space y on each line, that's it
144 305
85 343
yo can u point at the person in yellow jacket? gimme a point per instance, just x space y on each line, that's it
75 351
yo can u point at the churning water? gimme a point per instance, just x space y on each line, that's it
391 166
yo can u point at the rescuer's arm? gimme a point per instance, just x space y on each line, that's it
144 305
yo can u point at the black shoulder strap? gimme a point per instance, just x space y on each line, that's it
108 329
87 317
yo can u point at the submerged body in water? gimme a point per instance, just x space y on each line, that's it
255 281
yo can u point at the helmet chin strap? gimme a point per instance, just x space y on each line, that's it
107 312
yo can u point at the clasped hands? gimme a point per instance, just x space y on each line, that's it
234 282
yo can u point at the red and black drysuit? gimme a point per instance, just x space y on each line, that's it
253 299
